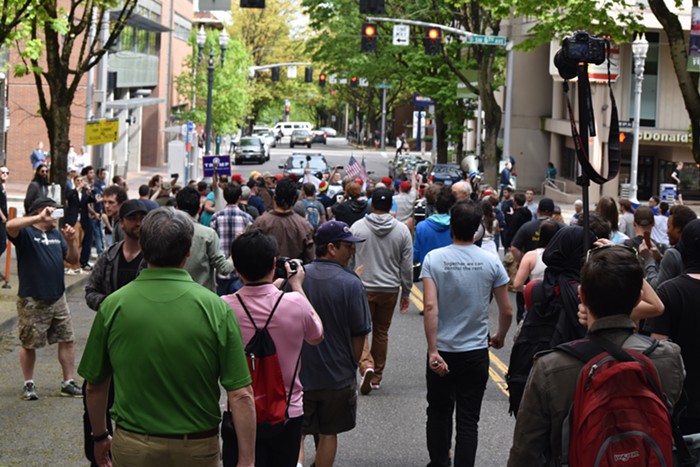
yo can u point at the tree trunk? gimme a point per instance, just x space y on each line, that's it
687 81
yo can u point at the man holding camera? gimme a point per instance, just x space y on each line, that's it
43 315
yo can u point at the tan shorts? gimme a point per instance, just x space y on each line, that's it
41 322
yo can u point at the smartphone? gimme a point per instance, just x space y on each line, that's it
57 213
174 175
647 239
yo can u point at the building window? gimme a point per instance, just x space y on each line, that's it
126 38
569 164
650 85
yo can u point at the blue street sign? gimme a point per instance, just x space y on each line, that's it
190 126
223 165
422 101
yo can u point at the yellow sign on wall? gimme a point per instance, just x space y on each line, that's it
102 132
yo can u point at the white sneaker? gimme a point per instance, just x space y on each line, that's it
69 272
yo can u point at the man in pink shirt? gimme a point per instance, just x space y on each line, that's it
294 321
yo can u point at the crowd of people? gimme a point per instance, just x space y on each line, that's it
320 265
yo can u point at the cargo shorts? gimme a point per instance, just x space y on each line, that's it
41 322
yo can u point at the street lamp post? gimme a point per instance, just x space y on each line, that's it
223 43
640 47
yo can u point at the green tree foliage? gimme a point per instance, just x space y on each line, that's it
15 16
57 53
230 92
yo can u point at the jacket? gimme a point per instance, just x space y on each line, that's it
433 233
550 389
351 210
387 254
103 280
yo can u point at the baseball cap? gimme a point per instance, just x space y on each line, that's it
359 181
644 216
132 206
323 186
546 205
382 199
238 178
279 176
335 231
387 181
405 186
42 203
254 174
267 175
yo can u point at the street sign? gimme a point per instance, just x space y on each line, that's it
485 40
102 131
363 82
402 34
291 72
384 86
422 101
333 79
223 165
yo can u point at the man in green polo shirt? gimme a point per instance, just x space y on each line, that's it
167 342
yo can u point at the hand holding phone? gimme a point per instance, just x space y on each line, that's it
57 213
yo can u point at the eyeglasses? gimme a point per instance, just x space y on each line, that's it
4 172
608 246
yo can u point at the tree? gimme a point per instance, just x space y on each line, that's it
14 19
57 54
687 81
230 90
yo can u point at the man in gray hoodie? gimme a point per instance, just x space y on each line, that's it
385 262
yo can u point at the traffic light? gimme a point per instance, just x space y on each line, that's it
354 82
431 41
275 74
369 37
322 79
372 7
252 3
286 110
308 75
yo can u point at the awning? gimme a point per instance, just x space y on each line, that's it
139 22
127 104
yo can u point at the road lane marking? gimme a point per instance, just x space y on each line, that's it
418 303
416 291
497 361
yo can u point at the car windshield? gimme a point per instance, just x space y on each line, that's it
250 142
316 164
446 169
300 132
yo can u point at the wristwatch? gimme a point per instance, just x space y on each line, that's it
102 437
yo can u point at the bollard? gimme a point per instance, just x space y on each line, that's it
8 253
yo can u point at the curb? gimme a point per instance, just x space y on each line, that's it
10 323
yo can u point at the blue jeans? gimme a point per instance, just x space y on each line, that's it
464 387
227 286
98 235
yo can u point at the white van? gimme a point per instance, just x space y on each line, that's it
286 128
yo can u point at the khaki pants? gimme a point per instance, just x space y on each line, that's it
381 309
136 450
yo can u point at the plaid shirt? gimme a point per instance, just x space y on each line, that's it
229 224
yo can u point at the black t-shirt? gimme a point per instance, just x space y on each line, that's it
40 262
127 270
528 236
681 323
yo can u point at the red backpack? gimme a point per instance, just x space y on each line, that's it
619 416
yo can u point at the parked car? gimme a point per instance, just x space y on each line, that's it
447 174
300 137
250 149
266 135
296 163
402 163
319 136
330 132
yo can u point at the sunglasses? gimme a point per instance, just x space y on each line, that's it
608 246
4 172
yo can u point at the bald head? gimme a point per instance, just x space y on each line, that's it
462 190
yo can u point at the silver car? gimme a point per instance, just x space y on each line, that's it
250 149
266 135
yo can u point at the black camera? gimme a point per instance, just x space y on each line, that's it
580 47
280 270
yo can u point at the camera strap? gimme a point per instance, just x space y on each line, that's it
587 122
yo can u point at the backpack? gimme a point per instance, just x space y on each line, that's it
312 213
271 401
620 415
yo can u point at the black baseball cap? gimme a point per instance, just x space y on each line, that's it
42 203
382 199
132 206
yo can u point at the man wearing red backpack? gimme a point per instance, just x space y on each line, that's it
611 284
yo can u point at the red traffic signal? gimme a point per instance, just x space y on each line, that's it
322 79
369 37
431 41
354 82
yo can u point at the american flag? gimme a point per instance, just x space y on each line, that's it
354 169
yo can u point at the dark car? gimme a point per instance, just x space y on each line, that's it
296 163
319 136
250 149
302 137
447 174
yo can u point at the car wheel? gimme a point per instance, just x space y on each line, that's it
325 141
291 145
308 145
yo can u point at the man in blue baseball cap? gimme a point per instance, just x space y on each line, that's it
328 370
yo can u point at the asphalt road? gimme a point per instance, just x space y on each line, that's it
390 424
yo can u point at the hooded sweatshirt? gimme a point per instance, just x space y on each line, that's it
386 254
350 211
432 233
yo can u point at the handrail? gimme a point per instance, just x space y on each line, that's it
556 184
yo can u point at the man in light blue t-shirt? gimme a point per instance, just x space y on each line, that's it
457 284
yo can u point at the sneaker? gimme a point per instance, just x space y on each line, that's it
375 386
71 390
87 267
366 383
69 272
29 392
77 271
